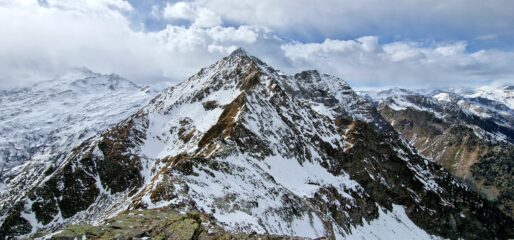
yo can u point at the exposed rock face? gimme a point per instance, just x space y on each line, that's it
471 137
259 151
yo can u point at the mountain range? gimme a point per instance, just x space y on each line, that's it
469 132
242 150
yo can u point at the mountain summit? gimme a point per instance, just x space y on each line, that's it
256 151
239 51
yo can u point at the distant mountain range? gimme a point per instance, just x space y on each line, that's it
469 132
241 150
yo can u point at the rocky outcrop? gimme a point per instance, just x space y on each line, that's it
157 224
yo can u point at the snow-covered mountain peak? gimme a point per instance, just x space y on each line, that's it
503 94
490 118
111 81
379 96
256 151
84 80
220 82
445 96
238 52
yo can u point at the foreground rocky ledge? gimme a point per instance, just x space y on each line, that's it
155 224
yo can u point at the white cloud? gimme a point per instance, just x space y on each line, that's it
88 6
369 43
404 51
245 34
364 62
455 19
214 48
180 10
363 45
200 17
39 41
452 49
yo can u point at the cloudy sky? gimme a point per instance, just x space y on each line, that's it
369 43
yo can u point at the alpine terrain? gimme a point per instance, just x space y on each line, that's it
469 132
237 151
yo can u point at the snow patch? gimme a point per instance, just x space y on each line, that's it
393 224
